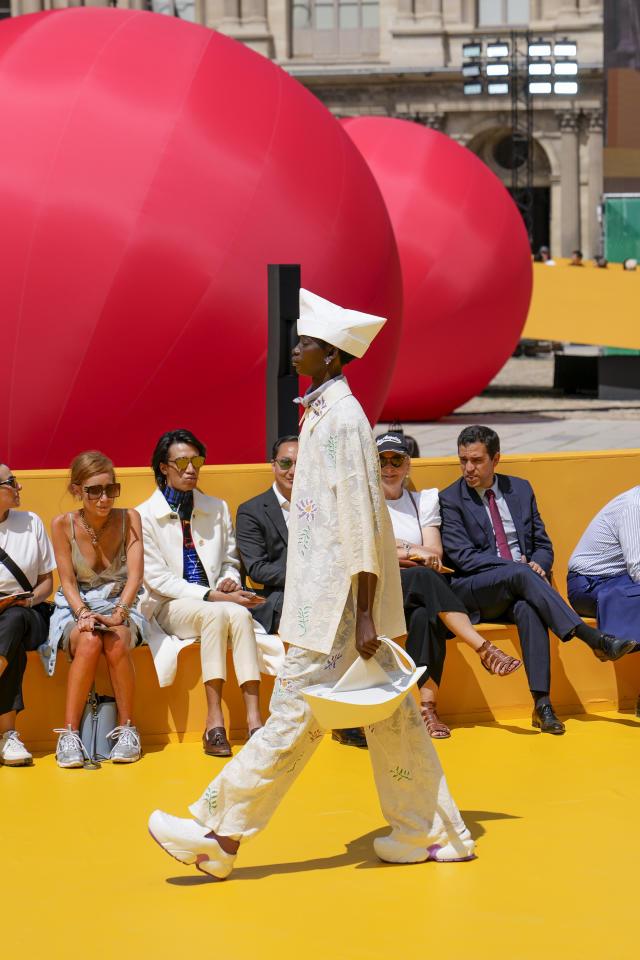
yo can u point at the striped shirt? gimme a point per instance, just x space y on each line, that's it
610 546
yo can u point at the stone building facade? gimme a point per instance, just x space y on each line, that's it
402 58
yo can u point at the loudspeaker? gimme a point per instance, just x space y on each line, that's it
282 380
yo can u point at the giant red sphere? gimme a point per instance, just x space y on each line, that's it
150 170
466 265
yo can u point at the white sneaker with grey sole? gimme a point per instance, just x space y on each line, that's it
127 747
69 751
13 752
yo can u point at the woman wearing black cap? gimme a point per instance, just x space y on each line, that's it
432 610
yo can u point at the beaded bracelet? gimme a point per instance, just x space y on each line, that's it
82 611
123 606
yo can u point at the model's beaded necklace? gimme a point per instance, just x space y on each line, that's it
92 533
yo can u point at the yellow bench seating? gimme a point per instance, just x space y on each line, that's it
570 489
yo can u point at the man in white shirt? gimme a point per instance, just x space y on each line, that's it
604 569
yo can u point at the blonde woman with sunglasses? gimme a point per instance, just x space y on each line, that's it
100 560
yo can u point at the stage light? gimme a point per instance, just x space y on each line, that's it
471 50
566 68
539 86
470 69
565 48
541 68
496 50
497 88
539 49
497 70
472 89
563 87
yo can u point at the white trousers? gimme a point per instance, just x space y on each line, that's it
411 785
218 624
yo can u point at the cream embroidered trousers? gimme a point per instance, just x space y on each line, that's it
411 785
218 624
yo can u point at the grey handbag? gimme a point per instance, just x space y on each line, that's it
99 717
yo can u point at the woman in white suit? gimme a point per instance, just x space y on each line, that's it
192 576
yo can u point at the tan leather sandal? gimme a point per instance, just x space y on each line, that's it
497 662
436 729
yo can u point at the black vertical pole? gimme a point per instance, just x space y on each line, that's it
522 129
282 380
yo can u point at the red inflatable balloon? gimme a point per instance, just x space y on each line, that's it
466 265
150 171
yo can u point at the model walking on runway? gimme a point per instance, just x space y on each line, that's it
342 589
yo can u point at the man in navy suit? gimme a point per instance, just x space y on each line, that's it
495 539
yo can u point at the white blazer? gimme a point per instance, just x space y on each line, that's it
213 538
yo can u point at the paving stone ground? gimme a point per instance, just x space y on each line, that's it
522 406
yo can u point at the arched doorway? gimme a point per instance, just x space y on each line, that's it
494 147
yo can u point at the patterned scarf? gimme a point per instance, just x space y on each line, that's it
182 502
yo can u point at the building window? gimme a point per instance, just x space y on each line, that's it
335 28
499 12
183 9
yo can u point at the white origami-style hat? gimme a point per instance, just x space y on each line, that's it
365 693
348 330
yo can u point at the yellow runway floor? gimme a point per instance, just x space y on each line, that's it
556 820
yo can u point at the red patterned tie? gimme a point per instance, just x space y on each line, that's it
498 528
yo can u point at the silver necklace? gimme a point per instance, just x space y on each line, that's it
92 533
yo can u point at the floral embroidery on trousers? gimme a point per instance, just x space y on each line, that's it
413 791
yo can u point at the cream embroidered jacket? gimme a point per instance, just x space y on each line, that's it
339 526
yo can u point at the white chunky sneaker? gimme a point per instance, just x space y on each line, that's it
393 850
127 747
13 752
187 841
69 751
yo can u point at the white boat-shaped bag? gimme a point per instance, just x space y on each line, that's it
365 693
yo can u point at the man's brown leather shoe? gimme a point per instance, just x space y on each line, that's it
215 743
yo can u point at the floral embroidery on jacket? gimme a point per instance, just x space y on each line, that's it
304 615
306 509
331 662
304 541
318 406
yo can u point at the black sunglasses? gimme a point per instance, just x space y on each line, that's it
10 482
96 490
285 463
396 460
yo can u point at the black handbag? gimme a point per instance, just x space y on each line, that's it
45 609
